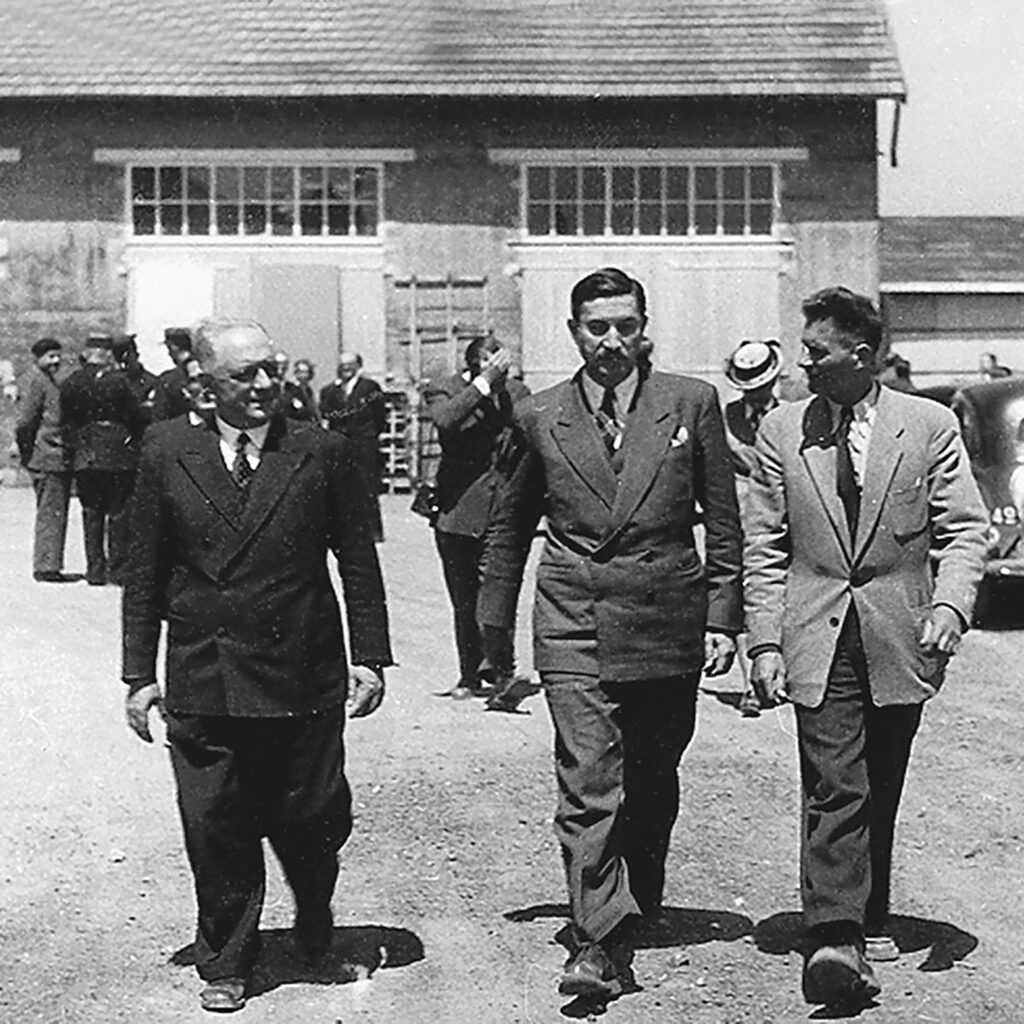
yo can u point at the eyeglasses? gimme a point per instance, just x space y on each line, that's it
626 327
248 374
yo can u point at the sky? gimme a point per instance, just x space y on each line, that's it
961 141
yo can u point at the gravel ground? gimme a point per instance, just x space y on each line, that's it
451 892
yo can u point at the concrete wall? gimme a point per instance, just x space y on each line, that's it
450 211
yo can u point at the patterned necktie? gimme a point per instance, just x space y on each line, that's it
241 471
846 479
608 422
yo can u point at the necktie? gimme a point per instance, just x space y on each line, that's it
846 479
241 471
608 422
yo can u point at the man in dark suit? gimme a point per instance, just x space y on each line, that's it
626 613
299 399
39 435
472 412
169 400
103 420
232 523
353 405
865 543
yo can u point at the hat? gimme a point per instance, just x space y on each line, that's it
100 341
44 345
754 364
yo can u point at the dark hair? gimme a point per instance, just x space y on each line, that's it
44 345
851 313
123 344
605 283
483 343
179 338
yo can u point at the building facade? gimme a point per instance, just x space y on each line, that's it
354 186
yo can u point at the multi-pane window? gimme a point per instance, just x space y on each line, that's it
695 199
252 201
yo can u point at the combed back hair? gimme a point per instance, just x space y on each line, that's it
477 347
206 331
853 314
603 284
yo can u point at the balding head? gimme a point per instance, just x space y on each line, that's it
238 357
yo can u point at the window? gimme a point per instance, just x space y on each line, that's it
673 200
255 201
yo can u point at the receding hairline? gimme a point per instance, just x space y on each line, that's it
207 333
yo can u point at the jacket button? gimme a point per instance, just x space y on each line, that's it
834 622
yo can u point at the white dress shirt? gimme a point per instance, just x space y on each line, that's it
625 391
864 414
229 442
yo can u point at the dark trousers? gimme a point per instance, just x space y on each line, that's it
853 762
103 495
617 753
240 780
53 493
461 563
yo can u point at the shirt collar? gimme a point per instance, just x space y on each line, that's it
863 410
625 390
229 434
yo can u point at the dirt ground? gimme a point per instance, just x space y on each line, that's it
451 891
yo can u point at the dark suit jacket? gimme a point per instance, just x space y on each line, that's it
38 432
253 622
621 589
474 431
360 416
298 401
102 420
169 401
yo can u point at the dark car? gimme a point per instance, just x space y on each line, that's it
991 417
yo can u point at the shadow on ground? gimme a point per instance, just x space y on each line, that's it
356 953
946 943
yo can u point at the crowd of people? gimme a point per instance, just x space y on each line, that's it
80 431
848 558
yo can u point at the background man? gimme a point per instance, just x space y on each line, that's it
626 614
472 412
40 439
232 523
753 369
169 399
353 405
103 421
857 488
299 397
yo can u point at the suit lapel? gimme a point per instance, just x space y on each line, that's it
204 465
818 450
575 433
644 443
884 455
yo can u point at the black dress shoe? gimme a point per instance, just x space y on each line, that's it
51 577
509 697
590 973
839 976
225 995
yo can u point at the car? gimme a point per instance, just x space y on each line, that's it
991 418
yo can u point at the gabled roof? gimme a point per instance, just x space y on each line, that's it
951 249
624 48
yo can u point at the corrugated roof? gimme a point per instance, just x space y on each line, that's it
611 48
936 249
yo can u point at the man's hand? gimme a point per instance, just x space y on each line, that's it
719 651
942 631
365 691
494 369
768 677
136 710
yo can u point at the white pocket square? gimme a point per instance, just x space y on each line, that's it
679 438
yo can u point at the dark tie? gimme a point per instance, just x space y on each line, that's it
846 479
241 471
608 422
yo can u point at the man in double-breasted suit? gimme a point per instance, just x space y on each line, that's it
472 412
626 613
232 522
857 490
103 420
353 405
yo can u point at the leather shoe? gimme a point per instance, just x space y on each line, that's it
881 949
591 974
225 995
839 976
51 577
512 695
